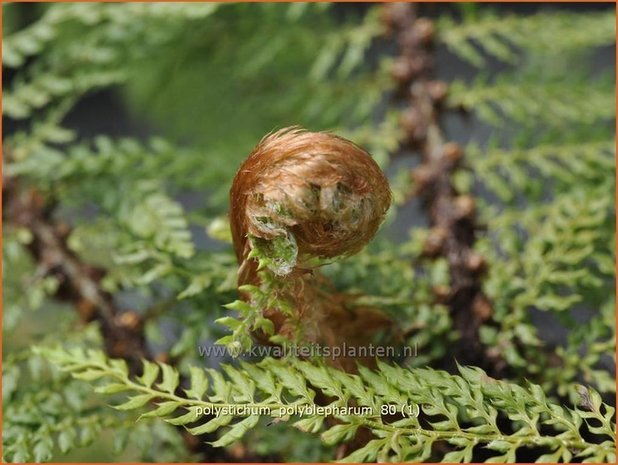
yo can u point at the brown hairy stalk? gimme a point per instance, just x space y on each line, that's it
326 197
452 216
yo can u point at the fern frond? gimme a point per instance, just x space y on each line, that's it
551 104
567 248
24 289
251 315
42 135
337 104
48 414
44 410
550 258
345 48
589 351
156 218
462 409
509 173
37 157
26 97
506 37
381 140
99 59
33 40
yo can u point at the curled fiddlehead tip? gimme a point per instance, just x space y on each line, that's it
299 197
306 194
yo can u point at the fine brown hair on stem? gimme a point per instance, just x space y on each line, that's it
327 197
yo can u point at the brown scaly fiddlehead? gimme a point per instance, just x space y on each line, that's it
299 198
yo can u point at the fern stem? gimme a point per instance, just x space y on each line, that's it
452 216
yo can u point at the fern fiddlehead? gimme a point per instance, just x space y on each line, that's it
299 198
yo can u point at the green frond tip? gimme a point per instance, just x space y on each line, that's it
33 40
462 409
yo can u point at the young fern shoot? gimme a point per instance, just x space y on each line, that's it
298 199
